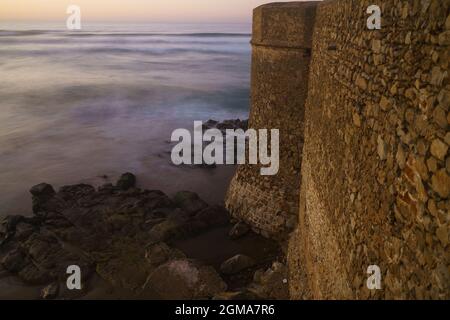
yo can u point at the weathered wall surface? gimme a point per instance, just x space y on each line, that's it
376 165
280 67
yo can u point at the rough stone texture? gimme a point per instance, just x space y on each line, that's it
375 180
113 233
281 54
183 280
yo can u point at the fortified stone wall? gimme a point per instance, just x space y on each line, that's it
280 67
375 171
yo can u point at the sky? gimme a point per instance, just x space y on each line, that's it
182 11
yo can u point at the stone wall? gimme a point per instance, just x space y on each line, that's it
375 173
280 67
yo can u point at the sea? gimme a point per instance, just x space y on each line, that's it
85 106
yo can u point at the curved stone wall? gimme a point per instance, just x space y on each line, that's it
376 166
280 67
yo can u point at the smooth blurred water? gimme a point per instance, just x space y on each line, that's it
78 105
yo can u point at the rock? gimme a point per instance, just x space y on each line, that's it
213 216
440 183
190 202
30 274
361 83
183 196
184 279
14 261
442 235
159 253
126 181
439 149
447 138
23 231
238 295
292 222
236 264
401 157
437 76
382 148
440 117
385 103
210 124
239 230
42 190
376 45
410 93
272 284
432 164
106 188
50 292
356 120
169 228
444 38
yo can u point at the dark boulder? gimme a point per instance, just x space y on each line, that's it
189 201
14 261
239 230
237 264
50 292
126 181
185 279
42 190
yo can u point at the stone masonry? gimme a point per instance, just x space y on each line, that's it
375 171
375 165
280 66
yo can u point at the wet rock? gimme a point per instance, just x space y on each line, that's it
115 232
126 181
50 292
272 283
41 194
169 228
239 230
210 124
226 124
14 261
183 196
42 190
185 279
213 215
106 188
23 231
237 295
236 264
32 275
190 202
159 253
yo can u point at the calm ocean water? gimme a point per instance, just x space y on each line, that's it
75 106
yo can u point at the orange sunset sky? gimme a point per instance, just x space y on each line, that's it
132 10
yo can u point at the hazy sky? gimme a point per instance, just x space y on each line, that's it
132 10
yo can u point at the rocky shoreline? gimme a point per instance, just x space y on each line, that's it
135 242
